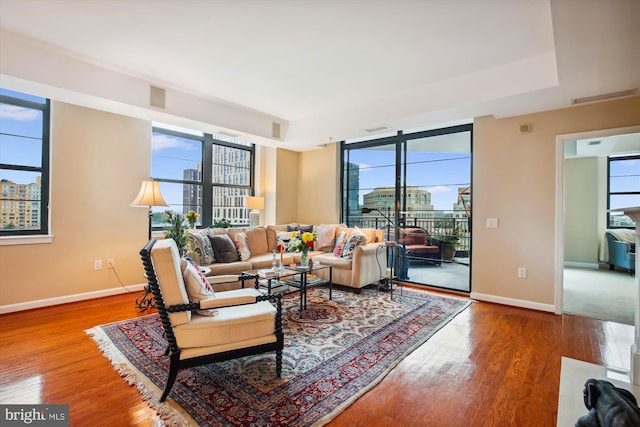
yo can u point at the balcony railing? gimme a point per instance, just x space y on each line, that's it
437 223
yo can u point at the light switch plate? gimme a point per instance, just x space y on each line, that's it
492 222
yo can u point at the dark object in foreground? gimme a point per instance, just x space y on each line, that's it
609 406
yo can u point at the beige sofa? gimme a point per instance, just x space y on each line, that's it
255 247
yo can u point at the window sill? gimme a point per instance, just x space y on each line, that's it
26 240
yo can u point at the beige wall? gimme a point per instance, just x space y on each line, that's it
98 162
319 193
581 187
514 181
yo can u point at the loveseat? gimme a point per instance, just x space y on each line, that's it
230 251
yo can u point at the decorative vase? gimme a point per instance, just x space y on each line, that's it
304 259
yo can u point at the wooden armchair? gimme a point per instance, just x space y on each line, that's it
245 321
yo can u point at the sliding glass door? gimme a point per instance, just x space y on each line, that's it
416 187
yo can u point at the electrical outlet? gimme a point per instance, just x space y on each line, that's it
111 263
522 272
97 264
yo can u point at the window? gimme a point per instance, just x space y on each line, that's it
208 174
624 189
24 164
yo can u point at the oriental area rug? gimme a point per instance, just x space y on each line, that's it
334 352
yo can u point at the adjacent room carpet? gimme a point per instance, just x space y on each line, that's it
334 352
599 294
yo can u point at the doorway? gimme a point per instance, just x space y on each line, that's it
583 156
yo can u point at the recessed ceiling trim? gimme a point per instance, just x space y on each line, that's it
604 96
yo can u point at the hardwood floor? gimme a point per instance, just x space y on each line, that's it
492 365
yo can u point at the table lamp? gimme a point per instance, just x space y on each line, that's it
255 204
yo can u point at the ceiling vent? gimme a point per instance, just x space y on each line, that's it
275 130
604 96
594 142
377 129
157 97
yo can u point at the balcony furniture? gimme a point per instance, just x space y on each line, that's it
419 246
228 325
621 246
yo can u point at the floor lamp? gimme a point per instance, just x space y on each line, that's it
401 259
148 197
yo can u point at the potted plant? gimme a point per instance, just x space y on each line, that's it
176 230
449 244
222 223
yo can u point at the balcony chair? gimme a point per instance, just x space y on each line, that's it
245 321
622 248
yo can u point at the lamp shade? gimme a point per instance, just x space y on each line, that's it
149 195
253 202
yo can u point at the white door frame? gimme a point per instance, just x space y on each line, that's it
559 243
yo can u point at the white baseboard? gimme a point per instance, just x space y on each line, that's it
514 302
594 265
10 308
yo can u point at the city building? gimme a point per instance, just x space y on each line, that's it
19 205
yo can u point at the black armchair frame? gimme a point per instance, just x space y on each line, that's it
173 350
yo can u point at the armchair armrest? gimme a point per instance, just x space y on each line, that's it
227 301
619 245
241 297
369 264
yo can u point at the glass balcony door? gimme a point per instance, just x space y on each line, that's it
420 182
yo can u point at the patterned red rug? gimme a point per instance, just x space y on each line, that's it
334 352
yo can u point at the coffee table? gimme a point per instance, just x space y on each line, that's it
296 277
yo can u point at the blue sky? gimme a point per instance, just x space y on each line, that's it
19 150
439 173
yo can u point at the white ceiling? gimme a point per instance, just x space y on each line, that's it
327 70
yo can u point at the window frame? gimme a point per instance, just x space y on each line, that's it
617 193
207 183
43 169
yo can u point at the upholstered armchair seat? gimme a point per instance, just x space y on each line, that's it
231 327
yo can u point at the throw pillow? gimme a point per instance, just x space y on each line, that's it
301 228
355 239
200 244
243 247
337 249
197 285
224 248
326 235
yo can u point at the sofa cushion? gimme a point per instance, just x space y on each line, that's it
272 235
224 248
334 261
198 288
200 244
369 233
326 236
257 240
237 267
